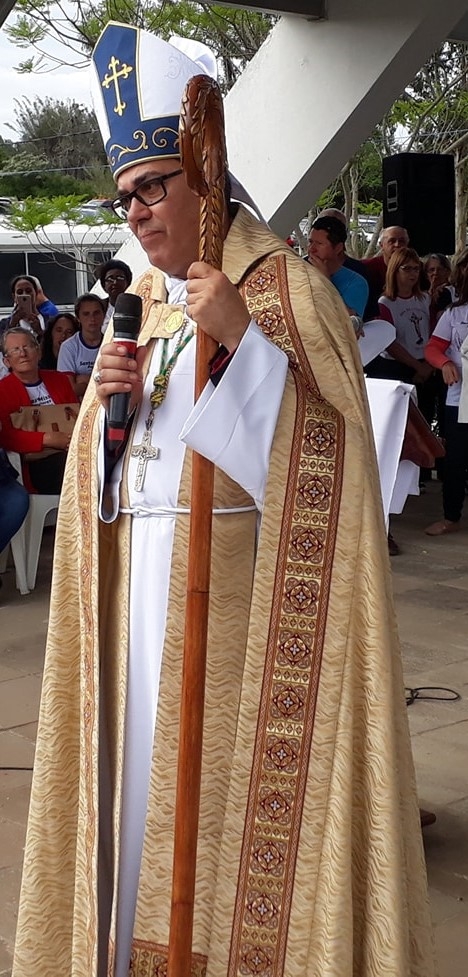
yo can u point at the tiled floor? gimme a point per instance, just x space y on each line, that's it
431 590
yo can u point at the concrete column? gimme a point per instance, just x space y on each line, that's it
315 90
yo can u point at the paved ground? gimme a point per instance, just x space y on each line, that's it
431 589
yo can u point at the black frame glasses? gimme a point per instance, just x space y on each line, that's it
148 193
114 279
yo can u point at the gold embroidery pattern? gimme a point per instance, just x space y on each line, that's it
144 291
293 660
164 136
89 691
124 150
150 960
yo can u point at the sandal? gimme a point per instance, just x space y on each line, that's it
442 528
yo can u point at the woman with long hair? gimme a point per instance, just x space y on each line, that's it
25 312
58 329
407 307
443 352
437 271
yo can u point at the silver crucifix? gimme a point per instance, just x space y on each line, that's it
145 452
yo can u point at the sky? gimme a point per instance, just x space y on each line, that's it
62 83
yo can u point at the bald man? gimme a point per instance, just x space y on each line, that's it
390 240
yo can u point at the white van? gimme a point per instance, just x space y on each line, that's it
63 256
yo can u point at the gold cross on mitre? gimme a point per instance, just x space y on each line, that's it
114 77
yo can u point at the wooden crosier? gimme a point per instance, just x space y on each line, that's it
203 153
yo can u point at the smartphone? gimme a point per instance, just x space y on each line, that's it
24 305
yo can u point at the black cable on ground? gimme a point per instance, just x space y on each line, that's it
413 694
28 769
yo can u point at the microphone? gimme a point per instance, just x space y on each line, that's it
127 322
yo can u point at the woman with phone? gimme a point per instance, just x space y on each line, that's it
25 313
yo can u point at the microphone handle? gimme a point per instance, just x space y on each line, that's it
118 413
118 406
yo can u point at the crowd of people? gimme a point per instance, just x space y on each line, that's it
425 299
47 358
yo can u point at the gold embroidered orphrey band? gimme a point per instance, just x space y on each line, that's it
294 649
292 663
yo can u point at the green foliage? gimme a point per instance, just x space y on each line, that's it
65 133
60 151
41 183
331 197
372 207
234 35
35 212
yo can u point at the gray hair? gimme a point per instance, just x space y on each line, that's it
18 331
391 227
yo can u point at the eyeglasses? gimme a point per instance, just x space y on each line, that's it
148 193
411 268
113 279
17 350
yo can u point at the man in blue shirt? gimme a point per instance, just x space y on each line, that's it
327 253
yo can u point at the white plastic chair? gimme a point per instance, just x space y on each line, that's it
26 544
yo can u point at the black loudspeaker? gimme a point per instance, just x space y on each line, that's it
419 194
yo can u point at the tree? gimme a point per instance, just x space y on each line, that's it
63 133
234 35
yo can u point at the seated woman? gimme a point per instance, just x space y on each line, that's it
58 329
25 312
25 386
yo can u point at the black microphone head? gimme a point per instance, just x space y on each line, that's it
128 304
127 316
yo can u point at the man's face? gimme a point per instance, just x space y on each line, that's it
168 230
91 317
321 248
392 239
115 283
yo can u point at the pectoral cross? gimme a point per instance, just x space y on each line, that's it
114 77
145 452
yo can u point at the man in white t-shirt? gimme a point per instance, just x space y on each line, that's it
77 355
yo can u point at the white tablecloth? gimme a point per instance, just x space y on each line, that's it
389 401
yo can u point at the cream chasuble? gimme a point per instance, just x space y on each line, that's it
310 860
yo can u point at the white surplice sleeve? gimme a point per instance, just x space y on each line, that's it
233 423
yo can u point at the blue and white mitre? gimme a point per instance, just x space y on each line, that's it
137 84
